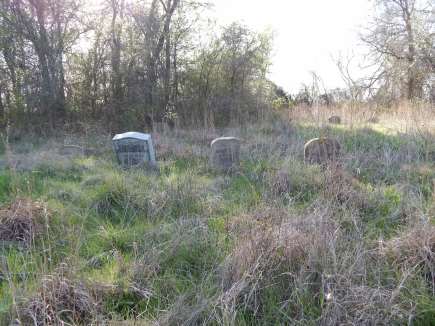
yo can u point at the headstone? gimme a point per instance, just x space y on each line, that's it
225 153
321 150
335 119
134 149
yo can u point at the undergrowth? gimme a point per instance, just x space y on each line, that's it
276 242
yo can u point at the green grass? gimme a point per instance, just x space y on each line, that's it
174 231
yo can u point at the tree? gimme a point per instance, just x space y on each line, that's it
399 38
228 77
117 7
127 63
43 29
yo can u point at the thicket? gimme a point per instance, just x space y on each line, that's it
120 63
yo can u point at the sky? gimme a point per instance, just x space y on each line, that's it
308 34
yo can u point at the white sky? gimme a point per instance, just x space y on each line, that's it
307 34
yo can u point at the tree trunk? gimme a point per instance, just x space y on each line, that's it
411 57
167 75
2 110
117 94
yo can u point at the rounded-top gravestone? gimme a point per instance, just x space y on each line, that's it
225 153
335 119
321 150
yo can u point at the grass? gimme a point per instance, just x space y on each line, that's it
278 242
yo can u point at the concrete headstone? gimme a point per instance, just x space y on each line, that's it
225 153
321 150
134 149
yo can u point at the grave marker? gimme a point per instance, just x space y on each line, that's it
134 149
225 153
321 150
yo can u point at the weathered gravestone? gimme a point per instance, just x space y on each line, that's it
225 153
335 119
321 150
134 149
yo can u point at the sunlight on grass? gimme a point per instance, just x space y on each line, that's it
163 245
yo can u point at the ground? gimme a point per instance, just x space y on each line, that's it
278 242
